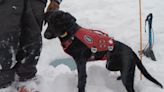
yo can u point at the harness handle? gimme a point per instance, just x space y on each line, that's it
99 32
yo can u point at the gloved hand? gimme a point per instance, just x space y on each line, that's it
54 5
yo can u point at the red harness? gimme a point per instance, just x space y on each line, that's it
95 40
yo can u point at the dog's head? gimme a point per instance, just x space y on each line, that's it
58 23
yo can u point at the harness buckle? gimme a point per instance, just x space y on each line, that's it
93 49
110 48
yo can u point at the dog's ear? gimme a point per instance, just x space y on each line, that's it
47 16
69 16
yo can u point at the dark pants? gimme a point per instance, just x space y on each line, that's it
20 38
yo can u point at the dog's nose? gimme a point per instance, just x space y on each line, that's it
47 35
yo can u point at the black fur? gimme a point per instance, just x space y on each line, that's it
122 58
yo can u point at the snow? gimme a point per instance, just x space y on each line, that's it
118 18
13 57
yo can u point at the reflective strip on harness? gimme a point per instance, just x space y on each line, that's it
95 39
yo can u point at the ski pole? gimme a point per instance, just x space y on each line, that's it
140 14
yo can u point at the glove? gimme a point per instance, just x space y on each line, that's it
54 5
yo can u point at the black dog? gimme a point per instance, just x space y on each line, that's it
120 58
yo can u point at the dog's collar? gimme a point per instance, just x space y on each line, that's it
64 35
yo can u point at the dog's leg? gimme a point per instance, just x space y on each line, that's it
81 67
127 73
113 64
128 80
113 61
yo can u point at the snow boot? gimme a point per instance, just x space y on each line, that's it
31 85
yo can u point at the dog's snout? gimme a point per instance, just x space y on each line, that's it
47 35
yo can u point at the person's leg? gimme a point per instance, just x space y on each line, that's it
8 46
38 11
30 40
10 16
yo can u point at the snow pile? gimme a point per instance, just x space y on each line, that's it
120 19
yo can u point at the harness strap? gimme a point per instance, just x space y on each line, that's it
66 44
